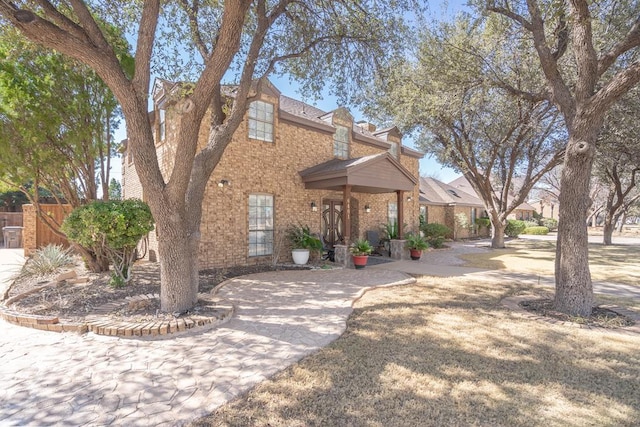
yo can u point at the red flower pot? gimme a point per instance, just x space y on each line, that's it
360 261
415 254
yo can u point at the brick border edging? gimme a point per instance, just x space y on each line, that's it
513 304
100 324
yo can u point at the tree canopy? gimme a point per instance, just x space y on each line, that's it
450 93
319 42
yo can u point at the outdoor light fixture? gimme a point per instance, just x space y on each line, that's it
314 208
409 198
367 208
223 182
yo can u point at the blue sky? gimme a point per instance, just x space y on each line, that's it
443 10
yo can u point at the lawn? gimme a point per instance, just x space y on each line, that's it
617 264
445 352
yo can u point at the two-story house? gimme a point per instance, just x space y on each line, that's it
290 163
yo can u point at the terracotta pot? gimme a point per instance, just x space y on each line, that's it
360 261
415 254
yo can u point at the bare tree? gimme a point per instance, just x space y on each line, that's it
583 89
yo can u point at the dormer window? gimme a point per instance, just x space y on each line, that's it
341 142
261 121
393 150
161 126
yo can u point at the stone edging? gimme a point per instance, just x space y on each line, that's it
99 323
513 303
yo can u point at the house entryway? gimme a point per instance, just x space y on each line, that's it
332 222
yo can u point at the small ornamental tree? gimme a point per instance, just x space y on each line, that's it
112 228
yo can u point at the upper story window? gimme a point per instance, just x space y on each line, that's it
162 126
341 142
261 121
394 150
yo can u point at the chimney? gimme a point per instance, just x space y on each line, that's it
369 127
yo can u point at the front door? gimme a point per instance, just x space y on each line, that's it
332 230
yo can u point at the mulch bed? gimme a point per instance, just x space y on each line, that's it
74 301
600 317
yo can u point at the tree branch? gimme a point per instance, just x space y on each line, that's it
631 40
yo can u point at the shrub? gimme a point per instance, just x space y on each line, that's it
435 234
537 230
113 227
514 227
361 247
301 238
483 222
550 223
531 224
47 260
416 242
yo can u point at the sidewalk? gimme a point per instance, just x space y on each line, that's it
66 379
11 261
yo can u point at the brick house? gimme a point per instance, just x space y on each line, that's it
289 163
523 211
444 204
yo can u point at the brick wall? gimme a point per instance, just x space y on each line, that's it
257 167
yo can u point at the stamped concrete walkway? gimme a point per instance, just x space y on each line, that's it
65 379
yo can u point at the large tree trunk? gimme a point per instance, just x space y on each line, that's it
574 292
497 238
178 254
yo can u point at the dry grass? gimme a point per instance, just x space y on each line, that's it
445 353
616 264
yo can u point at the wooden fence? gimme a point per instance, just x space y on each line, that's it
36 233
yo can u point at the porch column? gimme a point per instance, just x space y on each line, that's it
400 204
346 213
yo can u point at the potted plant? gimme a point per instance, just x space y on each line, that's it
360 249
302 242
416 244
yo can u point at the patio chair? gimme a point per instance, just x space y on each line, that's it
373 237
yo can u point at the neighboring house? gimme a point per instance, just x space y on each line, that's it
444 204
289 163
523 211
548 207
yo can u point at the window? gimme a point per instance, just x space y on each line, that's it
260 224
162 126
394 150
424 213
473 216
261 121
341 142
392 213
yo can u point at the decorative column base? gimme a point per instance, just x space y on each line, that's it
398 249
343 256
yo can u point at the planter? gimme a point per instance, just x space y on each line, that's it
415 254
300 256
360 261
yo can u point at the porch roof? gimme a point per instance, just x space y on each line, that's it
378 173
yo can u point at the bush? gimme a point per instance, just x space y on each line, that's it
483 222
537 230
514 228
301 238
550 223
47 260
435 234
113 227
531 224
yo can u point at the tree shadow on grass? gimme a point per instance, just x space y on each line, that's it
450 356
